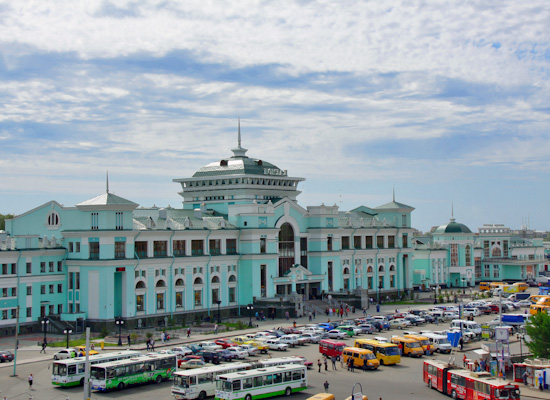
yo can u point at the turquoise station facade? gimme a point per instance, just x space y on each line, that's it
240 239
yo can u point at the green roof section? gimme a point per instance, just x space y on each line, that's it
107 199
393 205
239 166
452 227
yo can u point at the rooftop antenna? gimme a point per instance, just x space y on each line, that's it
394 192
239 139
107 182
452 211
239 151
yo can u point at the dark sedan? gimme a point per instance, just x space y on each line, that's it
6 356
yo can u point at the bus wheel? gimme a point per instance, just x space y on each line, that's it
121 386
453 394
202 395
381 362
430 384
158 379
81 383
288 391
248 397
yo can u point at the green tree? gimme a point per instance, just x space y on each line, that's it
538 330
3 218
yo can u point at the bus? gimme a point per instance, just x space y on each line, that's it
273 362
522 286
331 348
424 342
387 353
362 358
495 285
464 384
132 371
262 382
410 347
201 382
484 286
70 372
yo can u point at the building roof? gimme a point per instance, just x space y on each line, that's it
452 227
393 205
107 199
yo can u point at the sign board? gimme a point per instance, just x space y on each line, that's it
485 332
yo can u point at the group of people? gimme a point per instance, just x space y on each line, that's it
150 344
341 312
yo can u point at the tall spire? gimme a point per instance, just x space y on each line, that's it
107 182
239 151
394 192
452 211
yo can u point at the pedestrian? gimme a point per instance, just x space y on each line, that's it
319 364
461 344
152 344
31 379
129 341
313 314
215 329
310 315
436 320
92 347
464 361
333 360
342 362
188 332
43 348
349 364
294 324
352 364
524 376
400 346
326 385
428 350
378 308
167 337
287 315
148 343
326 364
162 337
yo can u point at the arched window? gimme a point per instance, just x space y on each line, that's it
381 268
160 284
346 271
369 270
286 248
496 252
198 281
392 268
232 278
215 279
179 282
141 285
52 220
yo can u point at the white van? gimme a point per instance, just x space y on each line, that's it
291 340
470 325
439 342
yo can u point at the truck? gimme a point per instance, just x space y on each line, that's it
515 319
519 296
510 288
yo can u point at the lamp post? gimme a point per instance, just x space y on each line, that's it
250 309
218 302
67 332
45 321
380 287
463 285
119 322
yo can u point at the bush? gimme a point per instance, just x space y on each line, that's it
104 332
148 335
134 337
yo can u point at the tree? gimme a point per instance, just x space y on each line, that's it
538 330
4 217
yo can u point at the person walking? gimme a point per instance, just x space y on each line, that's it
333 360
188 332
352 364
319 364
464 361
378 308
31 379
326 364
215 329
428 350
326 385
148 343
152 344
129 341
43 348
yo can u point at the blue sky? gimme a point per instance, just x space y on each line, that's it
447 101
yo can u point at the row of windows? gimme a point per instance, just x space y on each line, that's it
179 282
368 243
179 299
11 269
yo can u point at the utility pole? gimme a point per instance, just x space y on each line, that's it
87 366
16 340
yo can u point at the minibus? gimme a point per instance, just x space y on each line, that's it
386 353
424 342
410 347
331 348
362 358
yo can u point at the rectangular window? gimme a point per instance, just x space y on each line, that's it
14 269
50 309
29 312
215 247
77 280
160 248
120 249
95 221
357 242
215 295
345 242
42 289
505 248
368 242
60 308
42 267
198 297
179 248
50 266
232 297
391 242
404 220
454 255
392 281
197 248
477 263
380 242
119 223
496 272
94 250
51 289
71 278
71 308
263 245
179 299
29 290
160 301
303 252
71 247
405 241
14 292
486 271
29 268
77 247
14 312
370 282
231 246
486 249
140 302
59 288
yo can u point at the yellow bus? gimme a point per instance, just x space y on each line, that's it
522 286
321 396
484 286
362 358
537 297
538 308
386 353
410 347
423 340
495 285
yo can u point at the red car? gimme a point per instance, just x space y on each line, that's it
225 343
187 358
494 307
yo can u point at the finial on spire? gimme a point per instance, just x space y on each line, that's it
394 192
239 140
452 211
239 152
107 182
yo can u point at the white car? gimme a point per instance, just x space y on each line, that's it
276 344
251 350
264 335
66 353
399 323
210 346
474 312
180 352
312 337
410 333
291 340
523 303
336 334
238 351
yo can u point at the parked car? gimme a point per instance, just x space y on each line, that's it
276 344
251 350
413 319
226 355
194 364
182 351
225 343
291 340
399 323
336 334
82 350
366 328
312 337
195 348
264 335
261 346
474 312
523 303
189 358
210 356
6 356
209 345
65 353
238 351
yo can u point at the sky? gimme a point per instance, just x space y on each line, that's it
445 102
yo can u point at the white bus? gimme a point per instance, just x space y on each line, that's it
70 372
200 383
273 362
262 382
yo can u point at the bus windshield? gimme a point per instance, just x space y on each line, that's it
424 342
340 348
59 369
412 345
97 373
392 351
369 356
507 394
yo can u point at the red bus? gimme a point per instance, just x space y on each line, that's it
461 383
332 348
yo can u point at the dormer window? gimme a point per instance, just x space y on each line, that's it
223 163
52 220
259 162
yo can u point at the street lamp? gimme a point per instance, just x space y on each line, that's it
380 287
463 285
119 322
67 332
218 302
45 321
250 309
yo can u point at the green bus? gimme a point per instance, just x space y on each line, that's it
133 371
70 372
